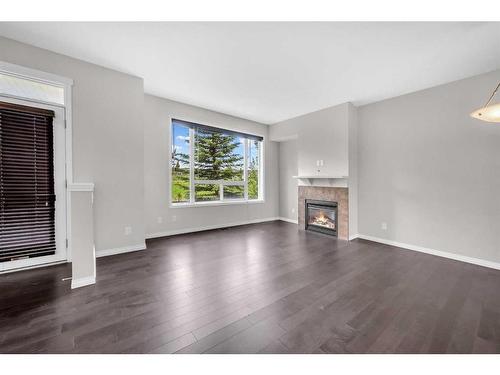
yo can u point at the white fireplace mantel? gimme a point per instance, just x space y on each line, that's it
328 179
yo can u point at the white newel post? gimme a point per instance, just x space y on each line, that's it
81 239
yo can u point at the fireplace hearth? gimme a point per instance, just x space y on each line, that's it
321 216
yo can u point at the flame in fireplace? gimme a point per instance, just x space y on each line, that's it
322 220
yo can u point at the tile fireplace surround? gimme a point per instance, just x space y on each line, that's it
333 194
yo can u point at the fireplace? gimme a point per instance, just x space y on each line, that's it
338 196
321 216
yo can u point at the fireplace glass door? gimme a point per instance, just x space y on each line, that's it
321 217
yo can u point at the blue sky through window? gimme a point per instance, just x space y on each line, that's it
180 139
180 135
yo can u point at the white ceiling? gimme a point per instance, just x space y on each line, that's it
269 72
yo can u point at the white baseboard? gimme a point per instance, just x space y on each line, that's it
83 281
33 267
288 220
439 253
120 250
208 227
353 237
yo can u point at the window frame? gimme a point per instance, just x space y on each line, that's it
192 182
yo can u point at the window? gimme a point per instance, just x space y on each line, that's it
214 165
22 87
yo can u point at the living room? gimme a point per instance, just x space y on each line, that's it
249 187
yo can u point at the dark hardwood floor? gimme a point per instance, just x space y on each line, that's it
262 288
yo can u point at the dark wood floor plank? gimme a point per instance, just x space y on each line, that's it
252 340
209 341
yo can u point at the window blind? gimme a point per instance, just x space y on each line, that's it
27 197
213 129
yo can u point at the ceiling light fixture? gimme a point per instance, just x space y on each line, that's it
489 113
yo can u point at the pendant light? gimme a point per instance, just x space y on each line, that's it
489 113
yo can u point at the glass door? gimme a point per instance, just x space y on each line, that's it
32 184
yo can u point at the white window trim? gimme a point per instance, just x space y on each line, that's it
66 84
222 183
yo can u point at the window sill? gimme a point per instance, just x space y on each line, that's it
213 204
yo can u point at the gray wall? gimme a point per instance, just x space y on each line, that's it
108 145
158 112
324 135
329 135
430 171
288 185
353 170
321 135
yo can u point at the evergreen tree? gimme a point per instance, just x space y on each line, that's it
179 159
180 176
253 170
215 159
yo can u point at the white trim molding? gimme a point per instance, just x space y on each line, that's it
85 187
216 203
39 75
439 253
208 227
288 220
120 250
353 237
32 267
81 186
83 281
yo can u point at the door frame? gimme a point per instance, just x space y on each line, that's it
63 176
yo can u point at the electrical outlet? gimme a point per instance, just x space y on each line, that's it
174 218
384 225
293 210
128 231
159 219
